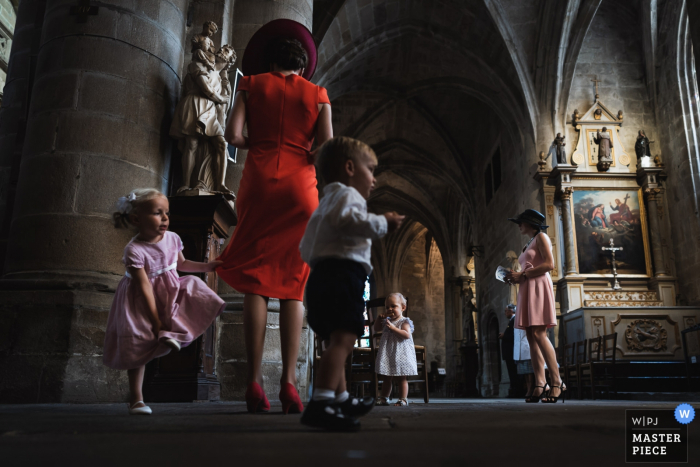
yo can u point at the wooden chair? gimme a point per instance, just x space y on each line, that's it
568 359
601 371
593 355
572 373
359 367
421 354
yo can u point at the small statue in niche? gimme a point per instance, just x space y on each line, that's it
597 114
200 116
203 49
642 150
576 116
559 149
605 145
468 307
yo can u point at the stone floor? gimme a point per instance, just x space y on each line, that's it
447 432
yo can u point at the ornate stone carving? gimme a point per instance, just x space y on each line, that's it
543 161
200 116
603 298
566 192
653 194
605 146
645 335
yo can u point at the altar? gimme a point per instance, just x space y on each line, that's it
612 273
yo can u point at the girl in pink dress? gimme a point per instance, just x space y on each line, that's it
154 310
536 309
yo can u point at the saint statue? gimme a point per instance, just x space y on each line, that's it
642 149
605 145
468 308
558 144
200 116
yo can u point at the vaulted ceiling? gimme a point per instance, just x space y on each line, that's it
436 86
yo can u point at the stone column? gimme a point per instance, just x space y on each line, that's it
569 248
15 103
98 123
653 195
248 17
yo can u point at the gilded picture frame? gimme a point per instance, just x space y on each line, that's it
625 221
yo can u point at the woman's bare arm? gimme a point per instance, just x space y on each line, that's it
324 125
234 129
544 246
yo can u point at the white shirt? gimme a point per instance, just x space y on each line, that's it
342 228
521 347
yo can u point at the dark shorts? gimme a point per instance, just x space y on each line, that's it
334 297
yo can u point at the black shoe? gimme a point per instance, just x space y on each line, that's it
325 414
354 408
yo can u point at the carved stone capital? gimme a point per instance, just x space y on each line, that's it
653 194
566 192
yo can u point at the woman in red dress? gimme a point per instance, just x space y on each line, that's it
284 113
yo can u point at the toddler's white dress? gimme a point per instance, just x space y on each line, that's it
396 356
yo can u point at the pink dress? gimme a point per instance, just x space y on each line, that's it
536 295
186 306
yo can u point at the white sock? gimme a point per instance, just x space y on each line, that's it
323 395
342 397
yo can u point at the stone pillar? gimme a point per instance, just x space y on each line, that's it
569 245
15 103
652 195
248 17
662 282
98 123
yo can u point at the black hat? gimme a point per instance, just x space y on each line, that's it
532 217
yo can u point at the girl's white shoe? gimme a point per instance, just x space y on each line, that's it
173 344
145 410
401 402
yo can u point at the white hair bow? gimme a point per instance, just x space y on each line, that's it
124 203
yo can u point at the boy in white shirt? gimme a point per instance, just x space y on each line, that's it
337 245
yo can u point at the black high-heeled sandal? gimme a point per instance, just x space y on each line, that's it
536 398
549 399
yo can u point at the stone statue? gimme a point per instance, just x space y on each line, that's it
560 151
641 148
468 307
605 145
200 116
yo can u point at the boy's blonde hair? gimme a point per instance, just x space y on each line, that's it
398 295
129 204
335 152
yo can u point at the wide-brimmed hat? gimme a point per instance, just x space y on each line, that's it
532 217
254 59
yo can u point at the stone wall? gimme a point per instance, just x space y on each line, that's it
613 51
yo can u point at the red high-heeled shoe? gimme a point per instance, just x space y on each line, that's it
255 398
291 403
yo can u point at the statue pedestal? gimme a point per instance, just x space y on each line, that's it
470 361
202 222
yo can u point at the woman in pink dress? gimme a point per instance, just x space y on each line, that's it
536 310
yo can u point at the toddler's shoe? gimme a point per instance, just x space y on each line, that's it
325 414
354 408
145 410
173 344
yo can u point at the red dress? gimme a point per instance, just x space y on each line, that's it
278 187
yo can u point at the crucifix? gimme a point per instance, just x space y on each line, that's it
82 10
596 81
612 248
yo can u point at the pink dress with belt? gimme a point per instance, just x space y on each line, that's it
536 295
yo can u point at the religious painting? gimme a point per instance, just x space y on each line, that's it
604 214
591 134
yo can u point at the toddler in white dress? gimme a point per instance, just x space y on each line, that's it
396 356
